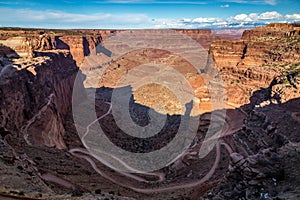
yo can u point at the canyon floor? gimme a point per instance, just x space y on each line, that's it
229 120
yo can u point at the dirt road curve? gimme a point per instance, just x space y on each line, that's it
231 126
11 197
52 178
296 116
24 129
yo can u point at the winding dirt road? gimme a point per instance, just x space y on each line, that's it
4 69
75 151
12 197
296 116
24 129
84 154
54 179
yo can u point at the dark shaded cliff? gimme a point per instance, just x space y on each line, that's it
34 99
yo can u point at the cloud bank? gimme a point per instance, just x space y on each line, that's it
238 21
58 19
268 2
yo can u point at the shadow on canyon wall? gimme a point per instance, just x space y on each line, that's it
139 115
7 52
61 44
50 159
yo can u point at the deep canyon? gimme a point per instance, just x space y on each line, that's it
254 80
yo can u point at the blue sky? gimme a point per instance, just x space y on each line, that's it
126 14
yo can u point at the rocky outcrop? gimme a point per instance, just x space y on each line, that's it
79 42
79 46
25 46
202 36
26 43
18 170
154 95
273 30
105 34
253 61
266 157
34 104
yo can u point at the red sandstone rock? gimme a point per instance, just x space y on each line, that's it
256 59
35 105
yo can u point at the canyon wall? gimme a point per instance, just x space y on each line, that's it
26 43
273 30
79 46
255 60
41 84
202 36
37 75
79 42
35 97
263 45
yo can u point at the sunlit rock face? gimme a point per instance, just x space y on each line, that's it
257 145
156 78
255 60
25 43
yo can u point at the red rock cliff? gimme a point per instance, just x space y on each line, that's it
256 59
26 42
35 95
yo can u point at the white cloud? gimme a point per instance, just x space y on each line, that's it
167 23
150 1
204 20
270 15
59 19
120 1
8 3
243 20
225 6
235 1
241 17
269 2
294 17
254 16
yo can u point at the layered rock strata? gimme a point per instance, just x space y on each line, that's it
255 60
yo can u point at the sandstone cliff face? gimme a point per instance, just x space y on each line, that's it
273 29
34 104
25 44
35 97
79 42
158 97
204 37
256 59
79 46
96 32
266 154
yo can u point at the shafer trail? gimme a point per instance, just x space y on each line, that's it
82 153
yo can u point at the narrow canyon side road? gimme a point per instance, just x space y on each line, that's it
233 122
